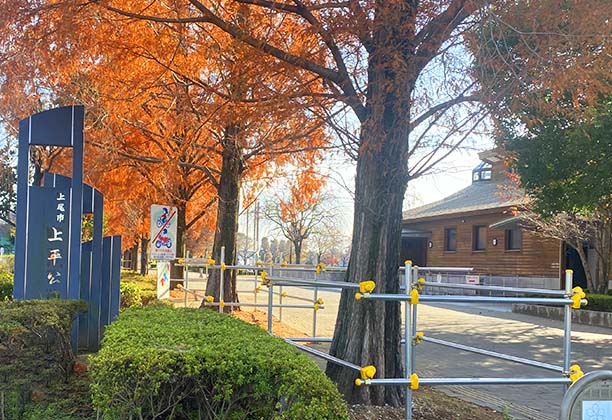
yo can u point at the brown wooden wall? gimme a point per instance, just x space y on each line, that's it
537 257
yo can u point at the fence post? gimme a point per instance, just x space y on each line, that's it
567 321
186 268
255 284
407 340
270 302
314 310
415 278
221 279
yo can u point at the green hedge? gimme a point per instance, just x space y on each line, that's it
199 364
6 286
599 303
35 348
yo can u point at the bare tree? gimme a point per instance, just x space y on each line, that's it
298 223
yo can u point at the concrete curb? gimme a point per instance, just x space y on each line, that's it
582 316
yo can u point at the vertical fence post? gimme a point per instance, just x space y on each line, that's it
567 321
221 279
186 277
314 311
407 332
280 302
255 284
415 278
270 302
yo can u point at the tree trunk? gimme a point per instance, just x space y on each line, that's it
368 332
578 246
603 247
135 257
298 251
227 217
144 256
177 271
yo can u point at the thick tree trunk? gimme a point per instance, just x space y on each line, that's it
603 244
368 332
297 245
144 256
579 247
177 271
227 217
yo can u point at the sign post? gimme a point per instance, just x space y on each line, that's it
590 398
163 245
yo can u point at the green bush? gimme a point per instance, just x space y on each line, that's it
6 286
599 303
129 296
190 363
35 348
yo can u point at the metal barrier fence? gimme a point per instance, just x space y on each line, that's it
569 298
320 278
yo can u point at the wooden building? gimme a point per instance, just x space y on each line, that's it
476 227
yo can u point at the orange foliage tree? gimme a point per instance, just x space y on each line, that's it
187 112
388 63
299 212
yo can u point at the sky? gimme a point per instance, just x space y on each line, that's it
451 175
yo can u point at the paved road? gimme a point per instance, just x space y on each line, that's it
515 334
490 327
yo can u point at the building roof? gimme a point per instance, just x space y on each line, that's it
478 196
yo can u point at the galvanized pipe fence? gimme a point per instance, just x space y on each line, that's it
272 276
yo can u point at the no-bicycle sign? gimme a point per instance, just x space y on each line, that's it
163 232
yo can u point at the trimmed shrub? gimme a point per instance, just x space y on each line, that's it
148 297
190 363
6 286
599 303
35 348
129 296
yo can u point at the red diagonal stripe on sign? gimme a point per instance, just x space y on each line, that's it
163 227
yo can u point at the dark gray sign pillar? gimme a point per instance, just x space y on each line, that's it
48 234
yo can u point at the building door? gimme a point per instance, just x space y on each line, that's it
572 262
415 250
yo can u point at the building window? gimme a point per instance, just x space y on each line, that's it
450 239
482 172
479 238
513 239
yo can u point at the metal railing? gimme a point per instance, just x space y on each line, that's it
569 298
320 278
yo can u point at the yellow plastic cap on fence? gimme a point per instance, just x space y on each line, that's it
320 267
264 278
414 297
221 304
358 296
320 301
577 297
284 264
367 286
408 262
414 381
258 263
367 372
211 261
419 337
210 299
223 267
575 373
